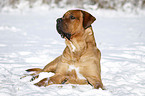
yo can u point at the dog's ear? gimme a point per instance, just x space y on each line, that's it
88 19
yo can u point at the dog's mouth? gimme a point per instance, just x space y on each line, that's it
60 29
63 34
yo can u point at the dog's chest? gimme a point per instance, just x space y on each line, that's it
77 70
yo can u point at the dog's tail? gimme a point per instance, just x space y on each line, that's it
33 70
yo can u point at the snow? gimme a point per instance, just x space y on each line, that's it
29 40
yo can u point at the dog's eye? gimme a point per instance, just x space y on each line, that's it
72 17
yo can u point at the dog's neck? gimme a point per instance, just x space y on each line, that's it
77 43
77 46
82 41
90 39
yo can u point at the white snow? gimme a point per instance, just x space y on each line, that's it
29 40
7 28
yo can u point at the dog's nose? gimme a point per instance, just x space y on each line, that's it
59 20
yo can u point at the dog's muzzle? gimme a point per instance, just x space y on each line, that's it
59 27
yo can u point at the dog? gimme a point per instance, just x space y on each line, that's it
80 60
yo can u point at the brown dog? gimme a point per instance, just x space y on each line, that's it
80 61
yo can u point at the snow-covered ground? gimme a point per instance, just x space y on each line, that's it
29 39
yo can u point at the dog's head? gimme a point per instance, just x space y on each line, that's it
73 22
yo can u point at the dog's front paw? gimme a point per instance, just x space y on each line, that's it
99 85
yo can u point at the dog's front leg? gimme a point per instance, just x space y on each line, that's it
95 82
93 76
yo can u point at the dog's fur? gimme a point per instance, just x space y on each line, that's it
80 61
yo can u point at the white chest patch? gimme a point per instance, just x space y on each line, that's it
73 47
72 67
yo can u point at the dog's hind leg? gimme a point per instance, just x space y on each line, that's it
34 72
51 67
59 78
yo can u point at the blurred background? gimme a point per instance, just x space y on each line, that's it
124 5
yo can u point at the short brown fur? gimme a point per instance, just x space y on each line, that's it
86 55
